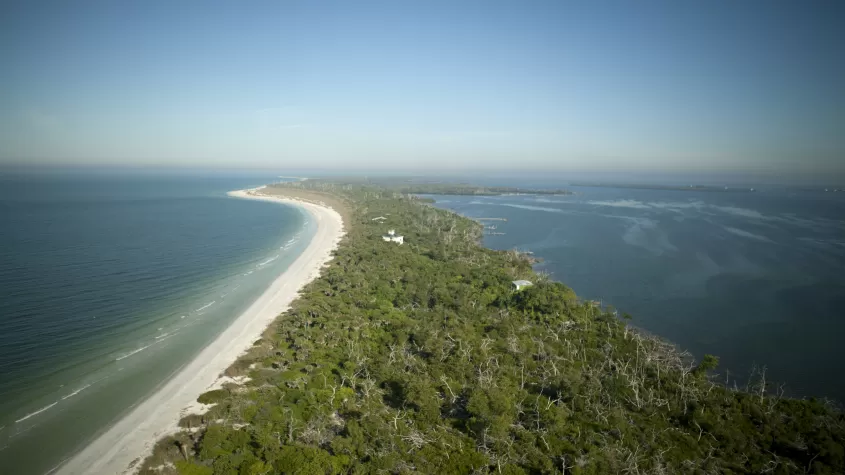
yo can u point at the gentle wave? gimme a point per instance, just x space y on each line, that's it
22 432
36 412
268 261
127 355
57 466
206 306
76 392
159 339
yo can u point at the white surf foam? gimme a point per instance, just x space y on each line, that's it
83 388
127 355
268 261
36 412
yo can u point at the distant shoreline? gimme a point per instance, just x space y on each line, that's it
122 448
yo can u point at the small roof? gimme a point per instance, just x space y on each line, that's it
522 282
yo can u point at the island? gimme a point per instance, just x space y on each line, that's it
434 356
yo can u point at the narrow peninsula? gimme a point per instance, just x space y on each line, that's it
424 356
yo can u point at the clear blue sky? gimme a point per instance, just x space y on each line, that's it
627 85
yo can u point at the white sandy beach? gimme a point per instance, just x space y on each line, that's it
132 438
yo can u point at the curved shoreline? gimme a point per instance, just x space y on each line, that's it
132 438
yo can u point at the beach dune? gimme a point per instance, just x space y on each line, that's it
122 447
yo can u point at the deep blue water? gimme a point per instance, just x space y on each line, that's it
754 278
109 284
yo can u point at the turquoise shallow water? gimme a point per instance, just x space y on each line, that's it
111 283
754 278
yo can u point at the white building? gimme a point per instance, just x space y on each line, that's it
521 284
392 237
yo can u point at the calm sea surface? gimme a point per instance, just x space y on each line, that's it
754 278
109 284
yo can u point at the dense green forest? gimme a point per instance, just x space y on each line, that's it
422 186
422 358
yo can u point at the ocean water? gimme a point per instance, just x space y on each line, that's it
111 283
754 278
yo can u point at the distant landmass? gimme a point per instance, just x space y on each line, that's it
637 186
